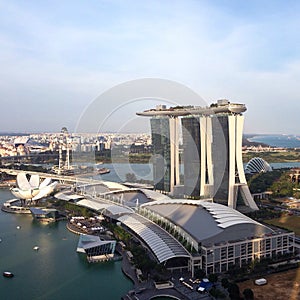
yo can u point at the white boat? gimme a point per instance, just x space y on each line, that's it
8 274
18 227
36 248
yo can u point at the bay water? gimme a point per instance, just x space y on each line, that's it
55 271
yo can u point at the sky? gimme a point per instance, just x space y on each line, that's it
57 58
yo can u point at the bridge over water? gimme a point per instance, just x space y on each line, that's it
66 178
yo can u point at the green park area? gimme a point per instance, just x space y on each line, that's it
273 157
288 222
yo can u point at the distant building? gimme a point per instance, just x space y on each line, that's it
137 148
295 175
21 140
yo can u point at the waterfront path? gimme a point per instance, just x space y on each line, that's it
146 290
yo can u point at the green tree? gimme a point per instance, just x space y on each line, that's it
225 283
248 294
234 291
283 187
216 293
213 277
199 273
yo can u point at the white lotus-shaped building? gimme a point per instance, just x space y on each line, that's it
32 190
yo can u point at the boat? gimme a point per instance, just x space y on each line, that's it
102 171
8 274
18 227
36 248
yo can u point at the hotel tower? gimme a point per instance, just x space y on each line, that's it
212 152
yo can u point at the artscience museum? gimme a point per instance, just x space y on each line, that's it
32 190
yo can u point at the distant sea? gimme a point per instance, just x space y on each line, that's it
282 140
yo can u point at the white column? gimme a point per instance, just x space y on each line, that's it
245 192
209 141
232 149
239 158
171 124
60 160
174 153
203 142
68 157
176 142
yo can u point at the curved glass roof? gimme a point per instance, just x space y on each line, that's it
98 206
163 245
257 165
232 216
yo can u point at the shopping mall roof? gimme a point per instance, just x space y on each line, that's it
66 196
208 222
100 206
163 245
155 195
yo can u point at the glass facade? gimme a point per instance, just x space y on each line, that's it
160 133
191 155
220 157
105 248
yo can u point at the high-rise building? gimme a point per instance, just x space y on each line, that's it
191 138
212 152
164 132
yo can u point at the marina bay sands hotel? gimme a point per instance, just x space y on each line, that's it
212 152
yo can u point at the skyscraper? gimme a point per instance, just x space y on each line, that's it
164 132
191 139
212 151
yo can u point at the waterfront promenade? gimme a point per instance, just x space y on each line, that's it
146 290
143 290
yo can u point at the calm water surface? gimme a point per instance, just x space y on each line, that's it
280 140
55 271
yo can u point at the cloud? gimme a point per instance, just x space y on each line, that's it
54 62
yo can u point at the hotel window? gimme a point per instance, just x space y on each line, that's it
268 244
230 251
279 242
285 241
243 249
223 253
249 248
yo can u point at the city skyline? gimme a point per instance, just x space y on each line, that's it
57 58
